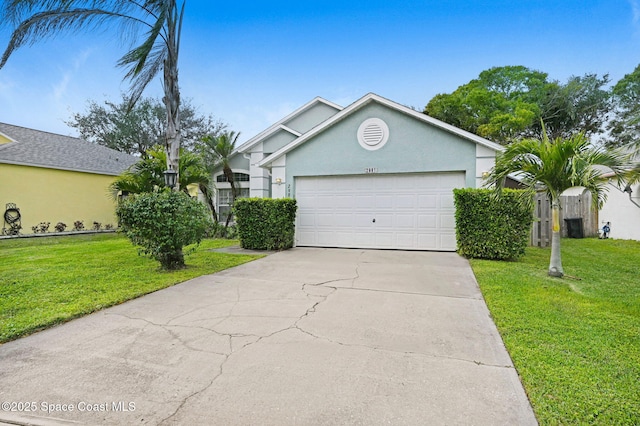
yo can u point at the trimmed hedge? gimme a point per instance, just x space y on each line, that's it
265 223
490 227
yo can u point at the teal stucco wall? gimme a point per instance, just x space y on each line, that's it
276 141
310 118
413 147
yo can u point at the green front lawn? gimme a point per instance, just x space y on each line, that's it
46 281
575 343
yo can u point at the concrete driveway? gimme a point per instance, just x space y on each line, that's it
306 336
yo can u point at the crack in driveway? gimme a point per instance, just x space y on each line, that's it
294 325
312 309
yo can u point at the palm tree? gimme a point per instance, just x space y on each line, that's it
33 20
147 175
556 166
217 150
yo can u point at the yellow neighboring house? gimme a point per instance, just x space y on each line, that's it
55 178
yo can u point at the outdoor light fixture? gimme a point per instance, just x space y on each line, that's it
170 177
279 181
485 175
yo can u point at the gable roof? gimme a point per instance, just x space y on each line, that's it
366 100
29 147
281 124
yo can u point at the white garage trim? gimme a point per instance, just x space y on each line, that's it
394 211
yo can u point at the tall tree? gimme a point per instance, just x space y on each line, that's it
508 103
624 127
557 165
158 22
216 151
500 104
140 128
582 105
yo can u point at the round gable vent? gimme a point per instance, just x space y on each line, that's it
373 134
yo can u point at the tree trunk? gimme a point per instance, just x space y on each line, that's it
229 175
208 196
555 264
172 102
172 261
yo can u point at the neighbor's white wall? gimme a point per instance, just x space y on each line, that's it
622 213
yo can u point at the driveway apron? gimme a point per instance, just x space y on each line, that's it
307 336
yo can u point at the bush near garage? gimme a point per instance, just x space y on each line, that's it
162 223
490 226
265 223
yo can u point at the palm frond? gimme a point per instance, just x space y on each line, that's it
559 164
147 174
137 57
140 81
35 20
48 23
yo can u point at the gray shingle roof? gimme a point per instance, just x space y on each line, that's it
43 149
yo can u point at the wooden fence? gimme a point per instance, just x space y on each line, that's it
571 206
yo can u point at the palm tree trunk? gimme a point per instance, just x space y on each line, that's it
229 175
173 143
208 196
172 101
555 264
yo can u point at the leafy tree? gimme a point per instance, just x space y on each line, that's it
138 129
555 166
581 105
217 151
157 22
624 127
162 223
498 105
508 103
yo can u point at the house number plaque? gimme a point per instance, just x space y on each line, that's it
371 170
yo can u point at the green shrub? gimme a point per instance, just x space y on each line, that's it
219 230
162 223
265 223
490 227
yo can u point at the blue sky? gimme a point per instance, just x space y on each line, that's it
249 63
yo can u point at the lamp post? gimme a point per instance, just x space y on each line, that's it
170 177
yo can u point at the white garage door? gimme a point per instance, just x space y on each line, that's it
401 211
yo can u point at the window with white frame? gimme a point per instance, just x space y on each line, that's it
237 177
224 201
